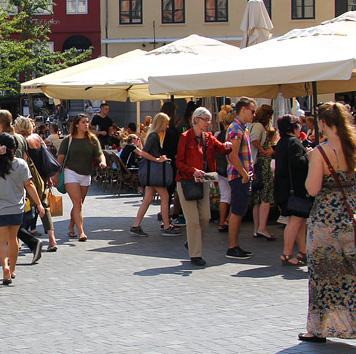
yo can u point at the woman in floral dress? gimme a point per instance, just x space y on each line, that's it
330 243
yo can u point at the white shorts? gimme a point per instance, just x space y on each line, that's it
225 190
72 177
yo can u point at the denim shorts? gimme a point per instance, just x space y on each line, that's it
11 219
240 193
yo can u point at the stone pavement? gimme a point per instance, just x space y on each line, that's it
121 294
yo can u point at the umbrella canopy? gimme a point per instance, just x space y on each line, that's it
325 54
34 86
256 24
126 77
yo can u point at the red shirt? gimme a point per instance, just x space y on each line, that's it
190 154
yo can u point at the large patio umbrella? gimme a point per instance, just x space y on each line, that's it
127 78
325 54
256 24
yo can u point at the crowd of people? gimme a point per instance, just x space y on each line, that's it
310 179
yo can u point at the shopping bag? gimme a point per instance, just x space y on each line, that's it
55 204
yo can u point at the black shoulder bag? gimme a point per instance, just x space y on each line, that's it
195 190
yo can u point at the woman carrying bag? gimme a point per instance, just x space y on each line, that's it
195 157
152 151
79 150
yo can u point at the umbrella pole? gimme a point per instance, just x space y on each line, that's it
315 111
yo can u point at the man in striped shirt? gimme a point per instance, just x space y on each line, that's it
239 171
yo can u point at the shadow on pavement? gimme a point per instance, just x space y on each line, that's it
319 348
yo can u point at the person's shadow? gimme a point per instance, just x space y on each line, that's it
331 347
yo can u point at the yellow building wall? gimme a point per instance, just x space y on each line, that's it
142 34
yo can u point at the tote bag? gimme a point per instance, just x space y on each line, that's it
55 204
155 174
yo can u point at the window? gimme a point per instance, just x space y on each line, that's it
303 9
77 7
268 7
216 11
342 6
130 12
173 11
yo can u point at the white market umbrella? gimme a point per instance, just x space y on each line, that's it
256 24
328 57
127 78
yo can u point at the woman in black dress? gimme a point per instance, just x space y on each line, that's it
291 156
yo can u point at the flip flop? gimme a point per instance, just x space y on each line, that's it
82 238
72 235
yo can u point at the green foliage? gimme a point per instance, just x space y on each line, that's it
24 50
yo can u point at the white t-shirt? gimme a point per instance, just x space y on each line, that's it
257 133
54 140
12 191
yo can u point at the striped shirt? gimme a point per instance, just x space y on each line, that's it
238 130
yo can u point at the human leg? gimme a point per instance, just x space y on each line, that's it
75 194
4 237
13 246
147 199
256 218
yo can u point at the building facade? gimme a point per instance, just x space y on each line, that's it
146 24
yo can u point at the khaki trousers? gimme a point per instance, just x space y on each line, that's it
197 216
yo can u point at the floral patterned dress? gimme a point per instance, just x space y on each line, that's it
332 261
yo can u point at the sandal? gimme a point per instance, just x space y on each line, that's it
223 228
286 261
71 234
82 238
52 248
311 338
302 257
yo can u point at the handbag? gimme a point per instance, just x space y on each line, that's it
60 185
337 181
297 206
55 204
192 190
155 174
50 165
257 180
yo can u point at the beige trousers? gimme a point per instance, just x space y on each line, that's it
197 216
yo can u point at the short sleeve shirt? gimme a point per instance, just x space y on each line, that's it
104 124
12 191
239 131
257 133
152 145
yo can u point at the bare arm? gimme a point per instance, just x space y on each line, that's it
314 179
150 157
102 161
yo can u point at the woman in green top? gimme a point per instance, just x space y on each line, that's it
78 150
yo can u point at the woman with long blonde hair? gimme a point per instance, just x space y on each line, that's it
152 150
331 247
78 151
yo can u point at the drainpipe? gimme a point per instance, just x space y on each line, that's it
106 26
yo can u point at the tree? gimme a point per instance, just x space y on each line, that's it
24 50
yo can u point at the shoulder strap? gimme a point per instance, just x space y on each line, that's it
291 187
67 153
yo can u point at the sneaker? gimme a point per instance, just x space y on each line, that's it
137 231
236 253
171 231
249 253
37 252
179 221
198 261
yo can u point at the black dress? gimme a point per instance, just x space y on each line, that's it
289 149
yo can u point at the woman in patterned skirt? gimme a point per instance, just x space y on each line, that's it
330 244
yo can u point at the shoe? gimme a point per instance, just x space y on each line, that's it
302 257
179 221
314 339
6 281
83 238
236 252
37 252
52 248
266 237
13 275
223 228
72 235
249 253
137 231
198 261
285 259
171 231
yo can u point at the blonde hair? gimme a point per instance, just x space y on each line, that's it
159 121
23 126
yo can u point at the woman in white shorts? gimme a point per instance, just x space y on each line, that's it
79 150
